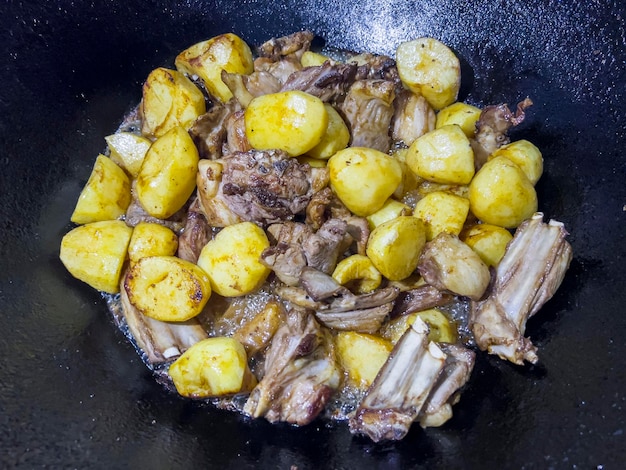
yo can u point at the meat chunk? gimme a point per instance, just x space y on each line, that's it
324 205
247 87
209 131
236 139
296 44
195 235
213 204
418 299
413 117
287 260
329 82
368 109
376 67
528 275
301 373
322 249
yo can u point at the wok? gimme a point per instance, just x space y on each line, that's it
74 394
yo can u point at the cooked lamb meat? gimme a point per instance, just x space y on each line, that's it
236 139
296 43
301 373
401 388
325 205
492 127
366 320
195 235
528 275
329 82
413 117
368 109
373 66
418 299
209 131
286 260
281 70
288 232
136 214
359 230
267 187
247 87
212 201
320 286
322 249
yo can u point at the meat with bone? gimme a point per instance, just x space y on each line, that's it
368 109
413 117
418 299
301 372
530 272
236 139
325 205
213 204
247 87
401 388
195 235
329 82
377 67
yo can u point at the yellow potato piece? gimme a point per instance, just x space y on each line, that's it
167 288
312 59
293 121
501 194
212 367
128 150
441 329
442 212
106 196
428 67
231 259
313 162
390 210
462 114
488 241
169 100
361 356
442 156
151 239
358 273
168 174
410 180
525 155
95 253
336 137
363 178
208 58
395 246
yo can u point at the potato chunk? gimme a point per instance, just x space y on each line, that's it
488 241
361 356
501 194
357 273
207 59
95 253
390 210
169 99
167 288
442 212
292 121
231 259
525 155
462 114
428 67
363 178
212 367
128 150
168 174
106 196
395 246
312 59
151 239
443 156
336 137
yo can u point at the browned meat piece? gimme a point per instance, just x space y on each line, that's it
301 373
296 43
492 127
236 139
299 297
445 393
212 201
247 87
209 131
288 232
421 298
368 109
359 230
373 66
413 117
320 286
322 249
280 70
286 260
195 235
325 205
366 320
329 82
136 214
401 388
528 275
267 187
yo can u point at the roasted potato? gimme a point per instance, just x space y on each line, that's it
128 150
361 356
208 58
357 273
313 162
390 210
441 329
462 114
395 246
151 239
363 178
488 241
312 59
442 212
231 259
410 181
525 155
501 194
169 100
443 156
336 137
212 367
106 196
168 174
167 288
95 253
293 121
428 67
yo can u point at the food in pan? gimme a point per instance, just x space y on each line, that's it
297 233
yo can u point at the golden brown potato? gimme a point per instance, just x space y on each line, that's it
106 196
169 100
151 239
212 367
357 273
442 212
95 253
167 288
441 329
462 114
292 121
501 194
231 259
390 210
488 241
363 178
168 174
336 137
208 58
312 59
525 155
395 246
429 68
361 356
128 150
